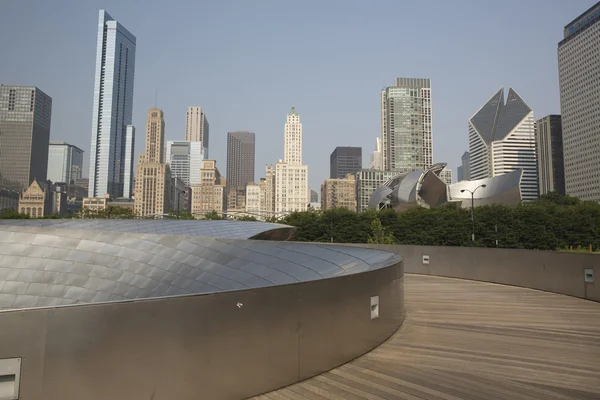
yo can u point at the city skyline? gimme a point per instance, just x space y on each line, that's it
244 113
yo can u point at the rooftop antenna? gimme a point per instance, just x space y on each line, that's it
155 95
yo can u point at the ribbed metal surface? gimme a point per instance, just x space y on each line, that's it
209 228
43 266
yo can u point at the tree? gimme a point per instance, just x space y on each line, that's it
213 215
12 214
245 218
174 214
379 234
107 213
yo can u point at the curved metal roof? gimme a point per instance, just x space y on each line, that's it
48 266
211 228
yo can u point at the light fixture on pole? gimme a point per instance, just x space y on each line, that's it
473 207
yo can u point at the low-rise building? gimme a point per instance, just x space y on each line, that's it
36 201
339 193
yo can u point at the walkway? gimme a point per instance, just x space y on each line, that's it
471 340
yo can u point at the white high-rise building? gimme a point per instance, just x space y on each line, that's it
502 139
113 106
377 157
579 77
196 127
185 160
291 177
406 127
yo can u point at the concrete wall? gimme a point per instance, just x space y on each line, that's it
228 345
551 271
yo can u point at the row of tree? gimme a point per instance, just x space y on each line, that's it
119 213
549 223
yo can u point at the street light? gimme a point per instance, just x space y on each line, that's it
473 207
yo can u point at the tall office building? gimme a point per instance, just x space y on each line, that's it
579 73
240 164
344 161
502 139
466 169
291 177
377 157
129 175
406 125
196 127
185 160
25 116
113 106
65 162
548 134
153 178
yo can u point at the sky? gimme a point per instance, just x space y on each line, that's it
247 62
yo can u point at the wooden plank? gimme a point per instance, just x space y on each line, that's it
474 340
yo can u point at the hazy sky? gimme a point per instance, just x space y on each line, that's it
247 62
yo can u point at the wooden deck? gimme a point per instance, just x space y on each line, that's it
470 340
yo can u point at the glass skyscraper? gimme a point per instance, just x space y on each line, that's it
113 105
25 115
406 125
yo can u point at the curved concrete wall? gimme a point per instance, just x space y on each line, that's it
551 271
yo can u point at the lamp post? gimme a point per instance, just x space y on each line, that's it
473 207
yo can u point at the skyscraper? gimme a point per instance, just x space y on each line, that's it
128 175
579 73
25 116
196 127
548 134
377 157
240 164
344 161
502 139
153 177
291 177
406 125
65 162
466 169
113 106
185 160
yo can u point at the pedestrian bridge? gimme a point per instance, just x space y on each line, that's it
149 311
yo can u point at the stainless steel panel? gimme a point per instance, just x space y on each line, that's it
228 345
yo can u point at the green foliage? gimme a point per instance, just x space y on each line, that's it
550 223
12 214
580 249
212 215
245 218
379 234
174 214
107 213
